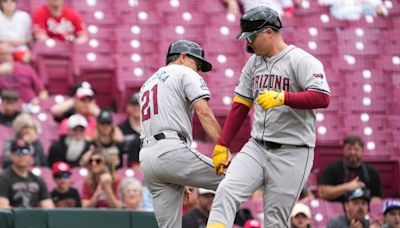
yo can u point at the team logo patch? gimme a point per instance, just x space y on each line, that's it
318 76
203 84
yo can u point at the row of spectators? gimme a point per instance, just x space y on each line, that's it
340 9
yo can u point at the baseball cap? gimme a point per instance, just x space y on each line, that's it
301 208
77 120
61 167
134 98
252 223
358 193
203 191
9 94
83 92
20 146
390 204
104 117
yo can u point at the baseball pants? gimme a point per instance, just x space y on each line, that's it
168 165
280 172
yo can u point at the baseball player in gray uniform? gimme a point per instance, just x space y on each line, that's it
168 100
285 84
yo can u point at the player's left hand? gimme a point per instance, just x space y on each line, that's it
271 99
221 159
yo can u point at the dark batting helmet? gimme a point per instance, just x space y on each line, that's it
257 19
190 48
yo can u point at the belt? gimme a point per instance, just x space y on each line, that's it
162 135
273 145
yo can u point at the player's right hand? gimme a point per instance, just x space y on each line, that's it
221 159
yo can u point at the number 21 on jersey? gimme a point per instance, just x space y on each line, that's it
150 105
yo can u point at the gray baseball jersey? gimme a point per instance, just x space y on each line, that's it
291 70
282 171
168 163
167 97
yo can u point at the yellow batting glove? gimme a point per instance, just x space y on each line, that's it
271 98
220 156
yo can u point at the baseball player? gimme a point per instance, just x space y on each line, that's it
285 84
167 101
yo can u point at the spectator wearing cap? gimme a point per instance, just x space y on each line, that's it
20 77
71 147
83 104
55 20
349 173
18 186
64 195
356 209
131 130
300 216
107 137
25 127
198 217
391 213
10 106
15 29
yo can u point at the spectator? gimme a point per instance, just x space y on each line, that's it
82 104
58 22
108 136
19 76
391 214
192 202
18 186
198 217
10 106
64 195
15 29
131 130
100 188
348 174
355 9
356 208
282 7
68 107
301 216
26 128
70 148
131 192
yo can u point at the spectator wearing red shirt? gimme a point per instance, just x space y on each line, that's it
58 22
100 188
20 77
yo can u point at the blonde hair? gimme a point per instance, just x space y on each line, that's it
22 120
109 168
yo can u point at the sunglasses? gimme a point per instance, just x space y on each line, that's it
22 151
97 161
251 38
62 175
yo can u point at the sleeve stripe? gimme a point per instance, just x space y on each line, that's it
243 101
319 90
248 98
199 97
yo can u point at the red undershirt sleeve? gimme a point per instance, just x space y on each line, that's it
233 122
307 100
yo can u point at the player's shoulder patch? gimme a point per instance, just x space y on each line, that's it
203 84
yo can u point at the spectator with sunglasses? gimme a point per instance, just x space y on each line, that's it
18 186
64 195
100 188
25 127
71 147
